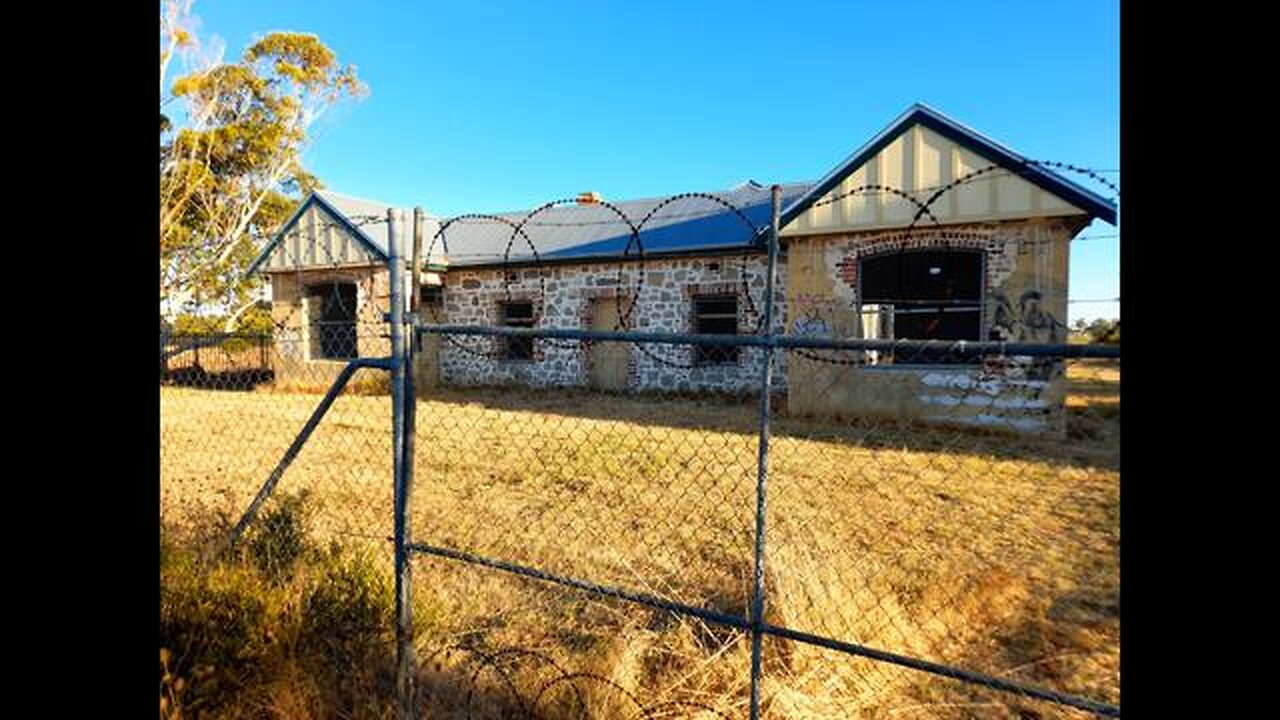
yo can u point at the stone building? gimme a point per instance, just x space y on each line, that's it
929 231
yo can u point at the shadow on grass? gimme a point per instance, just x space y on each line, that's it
194 376
1092 432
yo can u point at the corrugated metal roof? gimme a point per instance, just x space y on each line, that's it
572 231
355 214
689 223
370 216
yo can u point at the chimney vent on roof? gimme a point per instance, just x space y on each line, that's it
591 197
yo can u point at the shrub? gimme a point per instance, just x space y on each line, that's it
347 611
278 539
216 623
344 633
278 623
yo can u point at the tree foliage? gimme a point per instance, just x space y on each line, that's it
1104 331
254 321
230 153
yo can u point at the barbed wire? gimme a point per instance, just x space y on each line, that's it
691 477
628 297
989 172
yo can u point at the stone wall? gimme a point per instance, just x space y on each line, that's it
297 361
656 298
1024 290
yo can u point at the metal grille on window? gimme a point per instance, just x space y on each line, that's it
520 315
334 321
716 315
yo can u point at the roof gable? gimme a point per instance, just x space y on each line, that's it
976 153
368 238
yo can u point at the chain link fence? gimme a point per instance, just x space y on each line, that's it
276 519
623 522
950 567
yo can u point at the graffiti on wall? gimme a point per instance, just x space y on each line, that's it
811 324
813 316
1030 322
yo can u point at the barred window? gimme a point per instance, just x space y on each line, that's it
518 314
432 295
924 295
333 321
715 315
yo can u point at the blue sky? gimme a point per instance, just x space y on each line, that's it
500 106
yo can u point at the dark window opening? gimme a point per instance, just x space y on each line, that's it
923 295
715 315
333 322
518 315
432 295
431 303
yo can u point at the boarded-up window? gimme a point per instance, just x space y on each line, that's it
518 314
926 295
715 315
333 320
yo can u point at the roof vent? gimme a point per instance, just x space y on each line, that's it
591 197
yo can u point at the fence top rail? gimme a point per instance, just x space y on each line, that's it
956 347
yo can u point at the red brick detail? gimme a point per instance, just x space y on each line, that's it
880 244
729 287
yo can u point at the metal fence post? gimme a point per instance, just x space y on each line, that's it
164 354
404 595
415 274
762 471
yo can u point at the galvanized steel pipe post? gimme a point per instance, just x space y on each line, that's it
404 604
762 465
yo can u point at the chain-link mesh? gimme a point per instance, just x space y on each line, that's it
942 526
492 644
981 536
229 415
276 518
984 549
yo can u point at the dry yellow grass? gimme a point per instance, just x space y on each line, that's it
998 554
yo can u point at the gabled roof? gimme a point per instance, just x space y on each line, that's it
593 232
566 232
354 214
967 137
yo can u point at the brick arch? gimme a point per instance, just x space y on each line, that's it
996 249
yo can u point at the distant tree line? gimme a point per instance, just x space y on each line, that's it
1099 331
254 321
